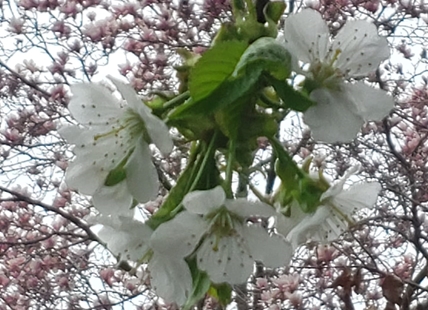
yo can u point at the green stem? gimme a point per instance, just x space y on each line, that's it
177 100
230 164
209 152
251 9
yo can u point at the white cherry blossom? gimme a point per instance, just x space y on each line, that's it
113 136
332 217
129 239
229 246
342 106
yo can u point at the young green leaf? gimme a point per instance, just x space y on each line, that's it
214 67
266 55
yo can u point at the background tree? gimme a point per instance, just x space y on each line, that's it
50 257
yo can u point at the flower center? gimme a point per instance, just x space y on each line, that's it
222 224
130 125
325 74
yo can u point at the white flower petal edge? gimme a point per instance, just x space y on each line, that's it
180 235
114 200
93 104
245 208
273 251
333 118
141 174
125 236
312 32
170 278
204 202
371 103
362 48
228 262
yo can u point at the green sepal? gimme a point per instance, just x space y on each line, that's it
310 193
116 176
174 198
274 10
222 292
227 32
201 285
293 99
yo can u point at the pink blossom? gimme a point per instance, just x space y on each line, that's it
294 298
61 28
69 8
16 25
63 282
262 283
287 283
28 4
4 280
12 135
326 253
108 276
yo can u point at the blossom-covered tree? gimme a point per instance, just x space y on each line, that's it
145 190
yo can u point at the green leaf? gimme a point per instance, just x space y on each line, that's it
214 67
292 98
227 93
115 176
266 55
201 285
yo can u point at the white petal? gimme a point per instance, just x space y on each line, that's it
285 224
333 118
105 152
159 133
128 94
227 261
94 159
273 251
83 177
170 277
357 197
156 128
373 104
141 174
306 36
204 202
126 237
337 187
309 226
93 103
71 133
362 48
180 235
245 208
113 200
